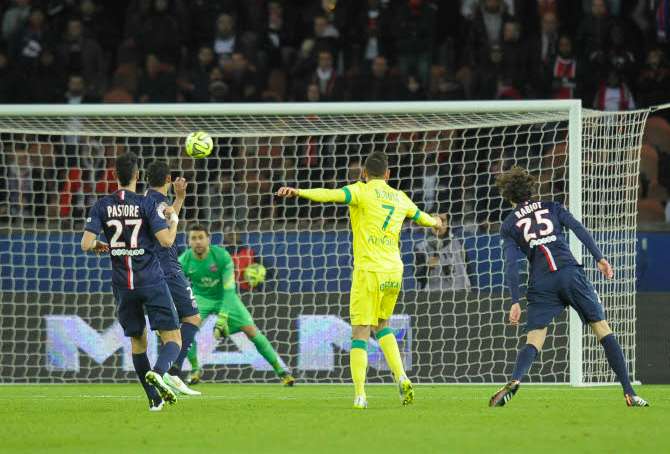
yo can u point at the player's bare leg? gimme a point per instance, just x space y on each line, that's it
266 350
168 353
358 362
534 342
138 345
389 346
189 327
617 362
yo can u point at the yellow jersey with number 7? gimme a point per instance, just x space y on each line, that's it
377 213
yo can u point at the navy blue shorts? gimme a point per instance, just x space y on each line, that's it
568 286
157 302
182 295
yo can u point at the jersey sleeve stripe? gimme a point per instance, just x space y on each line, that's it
416 215
347 196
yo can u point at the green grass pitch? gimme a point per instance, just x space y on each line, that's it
319 419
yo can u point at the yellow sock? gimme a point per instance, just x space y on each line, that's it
358 361
389 346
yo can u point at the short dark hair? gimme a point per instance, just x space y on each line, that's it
376 164
157 173
198 228
126 166
516 185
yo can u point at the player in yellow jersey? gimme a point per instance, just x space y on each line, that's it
377 212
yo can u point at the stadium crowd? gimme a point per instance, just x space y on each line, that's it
610 53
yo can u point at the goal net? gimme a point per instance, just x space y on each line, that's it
58 321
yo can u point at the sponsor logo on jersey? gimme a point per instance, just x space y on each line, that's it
389 285
129 252
541 241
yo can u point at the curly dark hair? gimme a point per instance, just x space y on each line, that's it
516 185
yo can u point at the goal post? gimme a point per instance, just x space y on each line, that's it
57 309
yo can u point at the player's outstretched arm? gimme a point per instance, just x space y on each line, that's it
315 195
179 186
568 220
167 236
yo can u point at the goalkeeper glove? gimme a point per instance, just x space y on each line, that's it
221 330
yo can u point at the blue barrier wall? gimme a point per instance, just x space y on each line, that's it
304 261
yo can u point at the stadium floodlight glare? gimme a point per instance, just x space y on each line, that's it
57 307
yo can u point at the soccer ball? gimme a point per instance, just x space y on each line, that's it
254 274
199 145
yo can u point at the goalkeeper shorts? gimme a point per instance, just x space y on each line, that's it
373 296
238 315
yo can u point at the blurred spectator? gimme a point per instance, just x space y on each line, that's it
379 85
226 40
446 87
371 36
620 54
9 83
159 34
546 48
613 94
653 85
415 36
312 93
331 87
594 30
242 79
76 91
413 90
83 55
563 74
493 81
157 84
324 37
14 18
516 55
28 43
278 41
48 80
486 30
439 261
195 83
119 92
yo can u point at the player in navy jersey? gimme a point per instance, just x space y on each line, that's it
556 280
159 178
136 230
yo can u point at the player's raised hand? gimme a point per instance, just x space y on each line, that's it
100 247
605 268
514 314
179 186
287 192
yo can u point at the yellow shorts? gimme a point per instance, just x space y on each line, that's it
373 296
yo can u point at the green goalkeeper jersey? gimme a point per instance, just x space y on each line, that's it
211 277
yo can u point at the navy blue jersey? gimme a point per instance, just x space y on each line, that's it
130 222
536 229
167 256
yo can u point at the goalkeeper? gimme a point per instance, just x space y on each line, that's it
211 272
377 213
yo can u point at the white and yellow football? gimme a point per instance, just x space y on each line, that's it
199 144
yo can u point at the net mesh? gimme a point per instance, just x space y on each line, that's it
57 309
